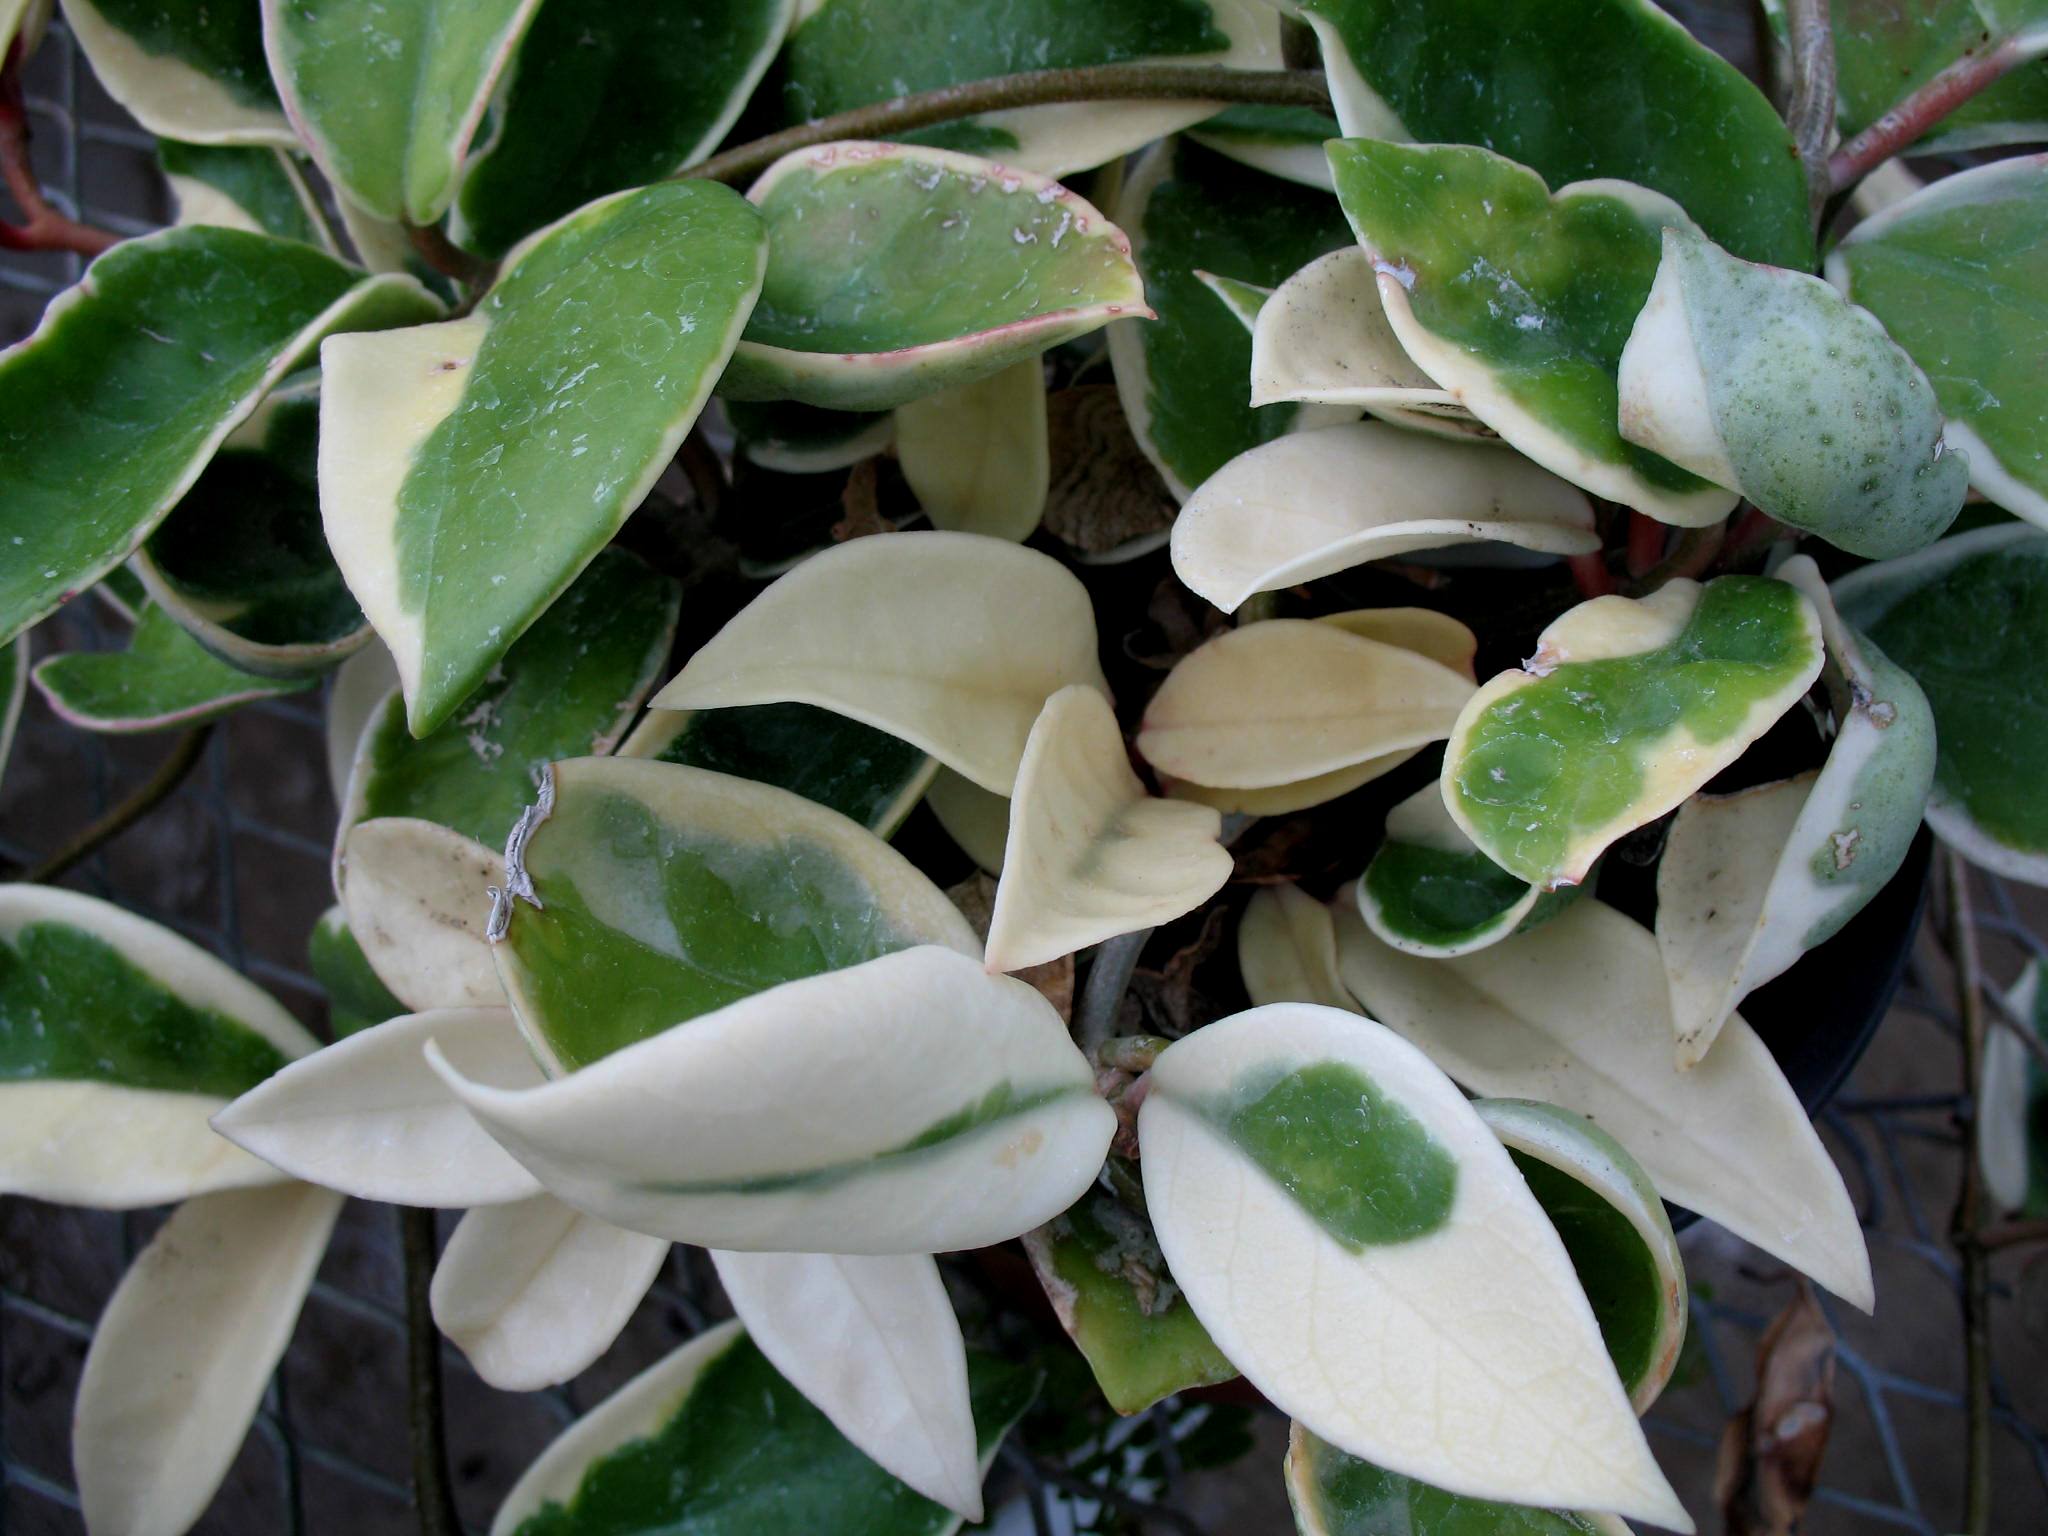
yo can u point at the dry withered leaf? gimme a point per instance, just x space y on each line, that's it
1171 995
1105 492
1771 1450
862 501
976 898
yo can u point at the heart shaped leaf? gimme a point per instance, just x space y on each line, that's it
1287 950
977 456
418 901
259 188
165 679
187 69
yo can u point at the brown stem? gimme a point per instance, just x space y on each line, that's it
168 776
450 259
1041 87
1907 122
1968 1217
2012 1234
433 1496
1590 574
44 228
1751 528
1646 540
1810 114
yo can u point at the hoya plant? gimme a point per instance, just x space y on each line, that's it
1148 672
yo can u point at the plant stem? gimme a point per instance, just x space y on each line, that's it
1810 114
1689 558
1109 977
1907 122
1963 1226
168 776
46 229
1041 87
450 259
432 1495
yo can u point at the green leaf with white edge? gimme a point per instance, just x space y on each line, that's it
209 1305
1957 273
873 1344
1749 882
1281 141
1242 299
1608 89
1575 1013
356 996
103 434
359 689
642 894
977 457
14 660
534 1292
1627 709
1359 1244
559 136
1287 950
1089 854
388 97
2012 1103
165 680
1968 618
1769 382
1102 1270
978 820
852 53
368 1117
255 187
896 271
1519 302
978 634
795 439
711 1441
117 1040
1181 379
908 1104
470 470
418 901
186 69
1315 503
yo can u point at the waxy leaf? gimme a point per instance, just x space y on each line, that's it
1572 1014
1627 708
977 457
1957 273
470 470
977 635
1089 854
896 272
1607 89
259 188
356 995
1242 299
185 1349
387 97
1281 141
1766 381
2012 1104
711 1440
1429 891
187 69
164 680
533 1292
418 902
1968 618
117 1040
1287 950
366 1116
795 439
1358 1243
1315 503
1519 301
975 818
135 376
359 689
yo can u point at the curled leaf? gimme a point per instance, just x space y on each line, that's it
1429 891
1771 1450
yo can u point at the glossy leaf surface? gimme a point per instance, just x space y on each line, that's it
1430 891
164 680
259 188
183 68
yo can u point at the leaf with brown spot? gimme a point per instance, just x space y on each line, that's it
1104 493
975 897
1771 1450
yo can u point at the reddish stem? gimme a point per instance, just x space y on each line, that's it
1590 574
1646 540
44 228
1907 122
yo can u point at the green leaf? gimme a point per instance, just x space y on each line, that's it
712 1442
1626 710
1242 299
187 69
356 998
600 98
469 470
14 658
896 271
1576 91
1281 141
254 187
798 439
134 377
2012 1104
165 679
1968 617
387 97
1958 273
1519 301
1182 378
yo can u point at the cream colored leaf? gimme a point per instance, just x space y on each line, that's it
2005 1096
361 685
976 455
1283 799
1287 950
975 818
418 901
1324 338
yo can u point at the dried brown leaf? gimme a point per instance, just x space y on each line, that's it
1172 995
1771 1450
1105 492
862 501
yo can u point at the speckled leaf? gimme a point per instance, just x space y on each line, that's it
253 187
977 456
469 470
1337 1214
1958 273
1287 950
356 996
135 376
163 681
1281 141
1627 708
1519 301
189 69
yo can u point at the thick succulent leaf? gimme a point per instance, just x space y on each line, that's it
1089 854
1102 1270
977 635
356 996
387 97
910 1104
1573 1014
1287 950
1609 89
185 1349
1968 618
418 901
533 1292
896 271
1315 503
1627 709
642 894
1769 382
117 1040
358 692
872 1343
713 1441
1519 302
977 457
1359 1244
559 136
1430 891
366 1116
470 470
135 376
795 439
975 818
187 69
1281 141
164 680
1242 299
1958 273
1181 379
2012 1104
14 659
255 187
